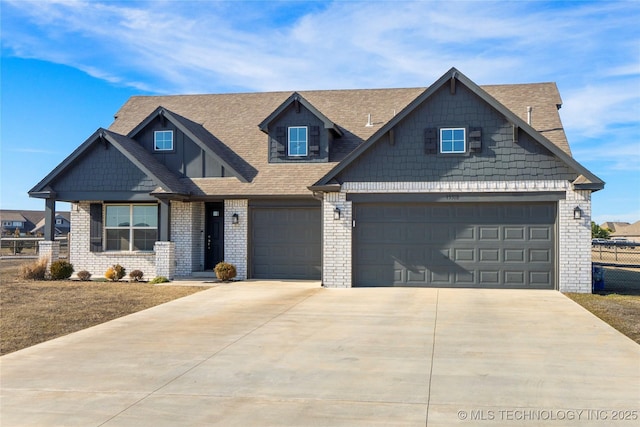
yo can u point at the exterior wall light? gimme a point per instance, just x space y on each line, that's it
577 212
336 214
235 218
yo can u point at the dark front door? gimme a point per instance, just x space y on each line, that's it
213 235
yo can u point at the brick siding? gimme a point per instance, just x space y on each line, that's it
574 236
236 235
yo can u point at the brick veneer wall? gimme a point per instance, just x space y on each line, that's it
574 256
187 231
574 236
336 254
236 235
50 251
97 263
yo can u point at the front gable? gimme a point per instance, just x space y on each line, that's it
498 145
108 166
412 151
194 152
297 114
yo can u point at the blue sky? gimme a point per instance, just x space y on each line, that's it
67 66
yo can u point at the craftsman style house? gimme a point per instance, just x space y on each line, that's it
454 185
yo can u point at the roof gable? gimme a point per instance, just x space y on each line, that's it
451 79
204 139
125 147
295 100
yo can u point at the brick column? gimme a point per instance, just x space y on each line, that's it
165 259
574 258
236 235
336 251
49 249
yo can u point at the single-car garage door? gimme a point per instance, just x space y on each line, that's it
286 243
510 245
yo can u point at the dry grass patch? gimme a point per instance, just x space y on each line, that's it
32 312
620 311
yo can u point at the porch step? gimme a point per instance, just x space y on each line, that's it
203 274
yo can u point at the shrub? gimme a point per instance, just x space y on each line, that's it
225 271
115 273
84 275
61 270
36 270
159 279
136 275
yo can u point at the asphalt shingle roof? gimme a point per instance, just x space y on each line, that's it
233 119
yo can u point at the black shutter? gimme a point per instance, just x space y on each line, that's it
430 140
95 227
281 139
314 140
475 139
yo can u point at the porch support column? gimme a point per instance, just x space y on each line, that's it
165 220
49 220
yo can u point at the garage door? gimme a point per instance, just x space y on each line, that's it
455 245
285 243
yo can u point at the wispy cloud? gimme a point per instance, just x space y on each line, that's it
31 151
205 45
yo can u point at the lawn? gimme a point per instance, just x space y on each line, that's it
619 304
32 312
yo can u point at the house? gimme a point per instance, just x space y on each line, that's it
30 222
453 185
624 229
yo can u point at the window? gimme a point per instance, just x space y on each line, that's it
131 227
298 141
163 140
58 221
452 140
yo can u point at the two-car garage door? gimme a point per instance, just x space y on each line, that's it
509 245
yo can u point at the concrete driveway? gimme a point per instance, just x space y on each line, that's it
294 354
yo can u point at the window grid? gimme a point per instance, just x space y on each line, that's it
452 140
163 140
131 227
298 141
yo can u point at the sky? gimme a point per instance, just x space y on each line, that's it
67 66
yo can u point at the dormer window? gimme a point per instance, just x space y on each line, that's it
298 141
163 140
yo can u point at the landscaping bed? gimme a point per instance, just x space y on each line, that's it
32 312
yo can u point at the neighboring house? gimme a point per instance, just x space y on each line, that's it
624 229
62 224
454 185
30 222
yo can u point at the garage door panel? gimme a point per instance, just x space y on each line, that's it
489 233
540 255
285 243
462 244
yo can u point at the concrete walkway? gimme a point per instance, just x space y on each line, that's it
295 354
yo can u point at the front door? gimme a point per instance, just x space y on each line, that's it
213 235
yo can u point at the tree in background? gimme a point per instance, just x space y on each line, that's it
598 232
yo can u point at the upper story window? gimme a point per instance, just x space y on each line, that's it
59 221
298 141
131 227
163 140
452 140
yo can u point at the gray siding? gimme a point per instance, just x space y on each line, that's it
500 158
103 169
187 158
291 117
